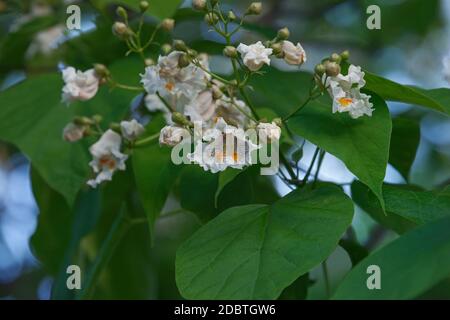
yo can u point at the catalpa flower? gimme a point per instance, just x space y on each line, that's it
222 147
107 157
79 85
74 132
167 77
131 129
346 93
255 55
172 135
233 111
201 108
293 54
269 131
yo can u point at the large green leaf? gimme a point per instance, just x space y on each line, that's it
158 8
436 99
362 144
32 118
367 201
406 206
255 251
409 265
404 142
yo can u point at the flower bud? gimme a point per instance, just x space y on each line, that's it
199 4
97 118
183 61
214 2
283 34
332 69
179 45
143 5
121 30
277 49
168 24
319 69
101 71
115 127
180 119
335 58
73 132
230 52
121 12
255 8
217 93
85 121
192 53
345 55
278 121
166 48
231 16
211 18
149 62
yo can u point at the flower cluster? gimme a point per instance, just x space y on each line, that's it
211 113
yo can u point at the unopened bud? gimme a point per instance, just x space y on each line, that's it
180 119
199 4
319 69
255 8
183 61
97 118
179 45
192 53
121 12
277 48
166 48
345 55
121 30
217 93
278 122
230 52
143 5
83 121
283 34
335 58
332 69
101 71
115 127
168 24
231 16
211 18
149 62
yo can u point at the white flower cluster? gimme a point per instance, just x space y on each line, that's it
79 85
346 93
190 91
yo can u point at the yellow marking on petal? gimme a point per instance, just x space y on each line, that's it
235 156
345 102
169 86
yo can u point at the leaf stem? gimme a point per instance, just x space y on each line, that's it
326 279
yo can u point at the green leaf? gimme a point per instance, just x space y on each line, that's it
436 99
32 118
404 143
362 144
155 175
225 178
158 8
255 251
407 206
367 201
355 251
409 265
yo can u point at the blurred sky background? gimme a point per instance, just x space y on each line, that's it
409 49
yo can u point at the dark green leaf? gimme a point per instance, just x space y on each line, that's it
409 265
255 251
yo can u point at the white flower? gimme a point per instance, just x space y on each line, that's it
233 111
154 104
73 132
255 55
167 77
293 54
45 41
79 85
222 147
107 157
172 135
131 129
202 108
446 63
346 94
269 130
